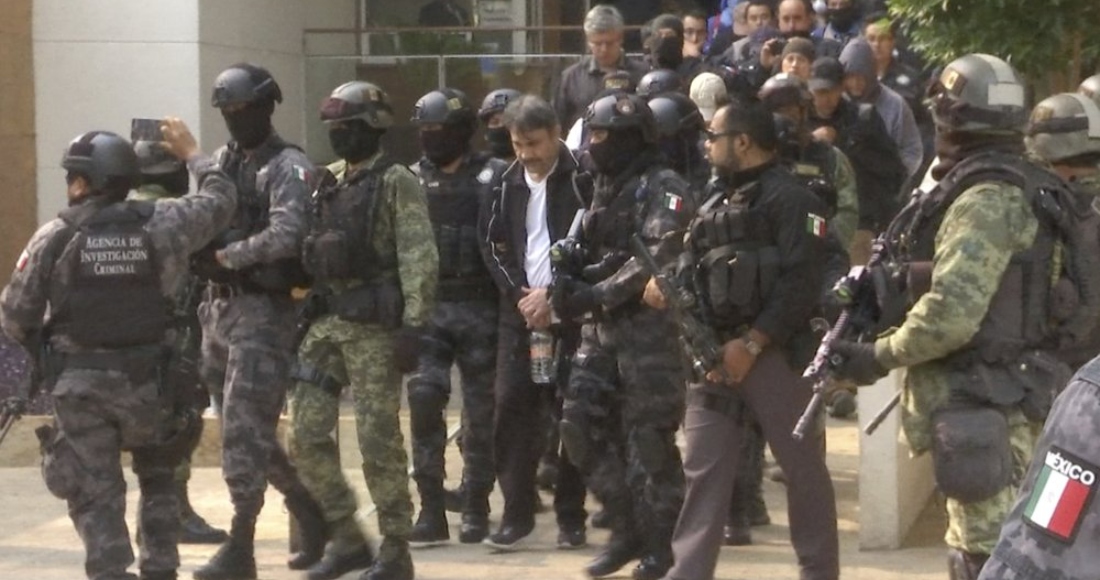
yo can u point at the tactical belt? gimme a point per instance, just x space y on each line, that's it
728 405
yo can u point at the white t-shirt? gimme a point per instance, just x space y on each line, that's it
536 261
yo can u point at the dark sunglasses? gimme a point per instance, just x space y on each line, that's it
713 136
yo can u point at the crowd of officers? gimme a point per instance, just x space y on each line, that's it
522 266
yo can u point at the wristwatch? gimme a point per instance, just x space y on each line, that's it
752 346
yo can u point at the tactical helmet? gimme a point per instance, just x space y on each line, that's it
245 83
100 156
1064 126
675 113
153 159
445 106
496 101
784 90
658 81
1090 87
622 111
358 100
978 93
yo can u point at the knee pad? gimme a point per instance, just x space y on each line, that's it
425 397
60 467
574 436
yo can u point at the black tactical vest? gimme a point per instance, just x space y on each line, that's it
814 166
617 213
736 260
454 202
251 218
340 244
115 300
1020 315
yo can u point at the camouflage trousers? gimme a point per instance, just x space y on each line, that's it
246 358
463 334
99 414
975 527
360 356
627 390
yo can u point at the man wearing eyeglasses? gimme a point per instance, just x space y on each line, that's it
581 82
754 254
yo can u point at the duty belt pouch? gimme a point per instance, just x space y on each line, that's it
971 454
1043 376
328 256
731 279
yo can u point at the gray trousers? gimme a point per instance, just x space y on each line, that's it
777 395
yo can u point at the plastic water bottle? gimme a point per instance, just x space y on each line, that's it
542 357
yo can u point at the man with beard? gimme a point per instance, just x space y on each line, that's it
842 21
374 266
248 318
795 19
977 343
625 395
463 326
769 225
532 208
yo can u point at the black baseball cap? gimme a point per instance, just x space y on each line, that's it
827 73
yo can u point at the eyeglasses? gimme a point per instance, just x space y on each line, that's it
712 136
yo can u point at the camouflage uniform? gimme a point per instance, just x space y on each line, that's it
100 413
462 330
247 336
1034 545
628 378
983 228
361 355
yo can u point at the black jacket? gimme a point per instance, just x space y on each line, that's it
504 227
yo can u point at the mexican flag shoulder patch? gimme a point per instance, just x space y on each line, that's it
815 224
1061 496
673 202
301 173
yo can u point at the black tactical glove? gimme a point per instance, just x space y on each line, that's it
858 362
573 298
15 406
407 344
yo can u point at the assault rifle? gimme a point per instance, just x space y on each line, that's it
698 341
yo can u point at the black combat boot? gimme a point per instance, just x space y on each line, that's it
349 550
193 528
431 524
475 516
622 548
235 559
658 552
965 565
312 529
455 499
393 563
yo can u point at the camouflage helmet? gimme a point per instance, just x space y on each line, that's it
495 102
100 156
658 81
1090 87
784 90
445 107
619 110
978 93
1064 126
675 113
358 100
243 84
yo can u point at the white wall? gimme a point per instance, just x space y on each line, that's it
99 63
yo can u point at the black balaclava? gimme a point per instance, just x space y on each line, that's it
614 154
842 19
667 51
500 142
250 126
354 141
447 144
175 183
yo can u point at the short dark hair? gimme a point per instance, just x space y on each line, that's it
529 113
753 120
878 18
769 4
696 13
